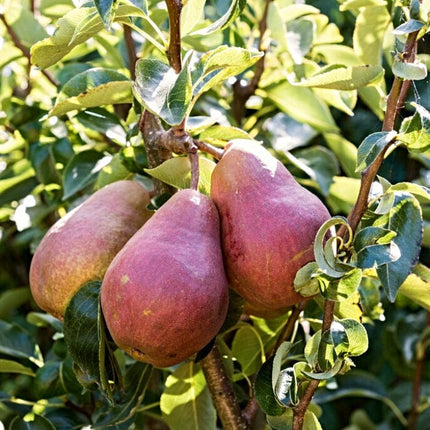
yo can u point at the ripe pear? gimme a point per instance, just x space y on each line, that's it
268 225
79 247
165 295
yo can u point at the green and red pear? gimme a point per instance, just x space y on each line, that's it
165 295
79 247
268 224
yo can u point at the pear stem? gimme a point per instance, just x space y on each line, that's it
395 102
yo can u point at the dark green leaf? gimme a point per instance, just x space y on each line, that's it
106 9
122 415
82 170
415 130
10 366
162 91
264 390
34 422
372 146
405 219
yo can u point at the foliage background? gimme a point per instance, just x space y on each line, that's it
50 163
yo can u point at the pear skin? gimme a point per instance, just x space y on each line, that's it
79 247
268 225
165 295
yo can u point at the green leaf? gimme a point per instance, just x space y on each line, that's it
410 71
112 172
409 26
186 402
286 387
10 366
222 134
357 339
264 390
76 27
356 4
16 343
300 36
301 104
276 25
122 415
248 349
372 146
106 9
341 289
91 88
405 218
162 91
177 172
304 281
12 299
415 130
345 151
219 64
369 32
417 286
31 422
235 9
191 14
338 77
82 170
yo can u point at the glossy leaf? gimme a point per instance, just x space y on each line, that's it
106 9
10 366
82 170
343 78
186 402
372 146
162 91
341 289
91 88
405 219
409 26
410 71
232 13
415 130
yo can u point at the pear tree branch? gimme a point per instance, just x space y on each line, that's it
395 102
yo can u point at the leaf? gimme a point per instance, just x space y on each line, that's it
343 194
415 130
372 146
356 334
177 172
92 88
191 14
409 26
286 385
345 151
16 343
222 134
82 170
264 390
302 105
235 9
338 77
10 366
300 36
12 299
356 4
276 25
341 289
162 91
219 64
248 349
31 422
369 32
122 415
405 218
106 9
417 286
76 27
186 402
410 71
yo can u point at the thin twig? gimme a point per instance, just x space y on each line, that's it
212 150
174 8
23 49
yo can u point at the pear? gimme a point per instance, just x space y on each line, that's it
165 295
268 225
79 247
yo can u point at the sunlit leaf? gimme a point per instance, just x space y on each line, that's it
106 9
411 71
417 286
343 78
415 130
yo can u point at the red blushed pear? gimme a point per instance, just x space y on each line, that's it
79 247
268 224
165 295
